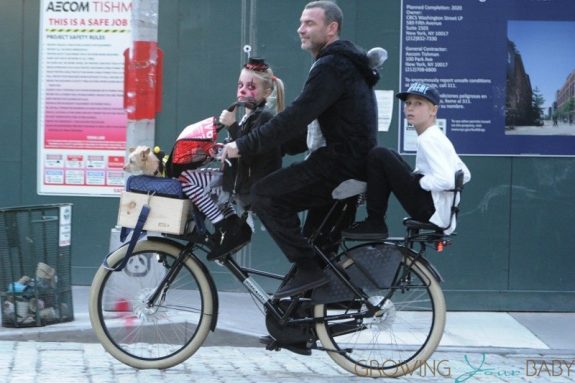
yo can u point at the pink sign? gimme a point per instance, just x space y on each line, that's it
82 121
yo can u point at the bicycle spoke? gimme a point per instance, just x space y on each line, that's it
158 333
402 333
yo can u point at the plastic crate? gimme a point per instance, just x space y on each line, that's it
35 265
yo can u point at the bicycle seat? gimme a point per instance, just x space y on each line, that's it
349 188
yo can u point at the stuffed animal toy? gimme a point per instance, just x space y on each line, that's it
145 161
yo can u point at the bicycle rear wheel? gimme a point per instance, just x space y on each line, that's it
395 341
172 328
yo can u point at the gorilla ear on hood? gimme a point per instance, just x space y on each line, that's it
358 57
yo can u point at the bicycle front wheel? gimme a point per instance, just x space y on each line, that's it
399 338
158 335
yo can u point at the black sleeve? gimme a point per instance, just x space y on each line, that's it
296 145
234 130
259 120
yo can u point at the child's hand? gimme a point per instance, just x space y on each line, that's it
227 118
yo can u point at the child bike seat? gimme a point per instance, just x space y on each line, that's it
413 224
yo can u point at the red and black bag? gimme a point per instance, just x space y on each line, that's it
195 146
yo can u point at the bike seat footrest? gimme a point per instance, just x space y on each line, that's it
349 188
411 223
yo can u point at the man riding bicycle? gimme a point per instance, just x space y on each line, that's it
339 94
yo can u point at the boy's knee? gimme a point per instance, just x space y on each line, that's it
376 155
382 155
380 151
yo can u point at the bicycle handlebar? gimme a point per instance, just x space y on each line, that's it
248 103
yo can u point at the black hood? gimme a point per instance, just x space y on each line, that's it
356 55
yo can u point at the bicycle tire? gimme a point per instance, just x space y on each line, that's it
164 335
399 340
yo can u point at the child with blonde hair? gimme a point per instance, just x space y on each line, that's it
256 84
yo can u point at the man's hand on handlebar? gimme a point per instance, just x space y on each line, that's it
230 150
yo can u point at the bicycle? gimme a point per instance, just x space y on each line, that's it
382 314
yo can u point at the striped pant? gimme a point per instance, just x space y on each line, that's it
204 188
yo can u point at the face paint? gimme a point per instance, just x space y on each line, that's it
250 87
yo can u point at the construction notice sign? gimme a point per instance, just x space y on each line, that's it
81 119
505 70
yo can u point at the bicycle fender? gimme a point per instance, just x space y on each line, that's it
412 254
204 269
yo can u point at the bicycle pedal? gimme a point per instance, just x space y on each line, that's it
270 343
274 346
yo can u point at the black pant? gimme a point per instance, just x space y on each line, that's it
388 172
334 219
278 197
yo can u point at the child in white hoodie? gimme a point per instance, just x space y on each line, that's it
421 192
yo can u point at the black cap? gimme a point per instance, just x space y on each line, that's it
423 90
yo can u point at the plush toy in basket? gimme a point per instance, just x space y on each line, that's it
144 160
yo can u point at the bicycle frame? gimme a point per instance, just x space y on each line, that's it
243 274
405 244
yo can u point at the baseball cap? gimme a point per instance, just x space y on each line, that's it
423 90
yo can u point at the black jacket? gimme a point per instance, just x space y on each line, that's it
249 168
339 93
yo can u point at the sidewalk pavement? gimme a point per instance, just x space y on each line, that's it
476 347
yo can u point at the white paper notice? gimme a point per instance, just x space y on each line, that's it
410 135
384 109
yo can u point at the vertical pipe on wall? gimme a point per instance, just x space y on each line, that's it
143 63
142 82
248 29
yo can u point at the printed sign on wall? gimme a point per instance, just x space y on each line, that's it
81 119
505 70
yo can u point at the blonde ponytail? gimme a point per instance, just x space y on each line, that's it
279 93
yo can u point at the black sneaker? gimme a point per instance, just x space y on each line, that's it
303 279
366 230
230 236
